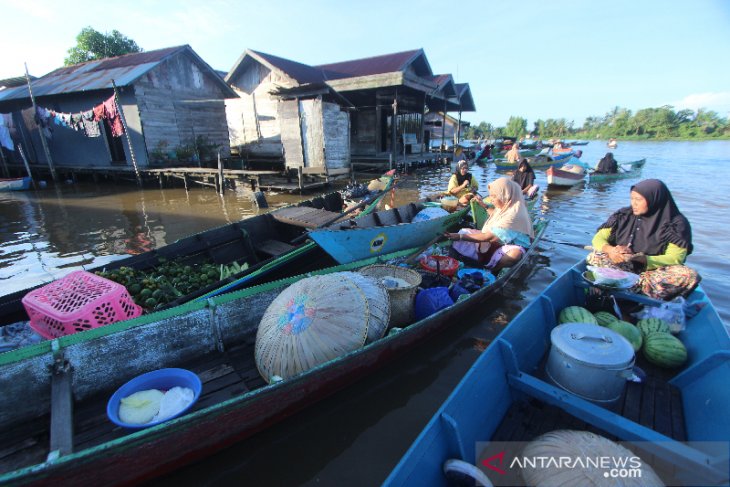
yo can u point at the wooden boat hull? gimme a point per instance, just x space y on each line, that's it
183 337
262 241
562 178
505 383
633 169
15 184
539 162
356 243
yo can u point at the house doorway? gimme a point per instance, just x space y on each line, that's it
115 145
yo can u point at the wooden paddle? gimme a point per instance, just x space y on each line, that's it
418 252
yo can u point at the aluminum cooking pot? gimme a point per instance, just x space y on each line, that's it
590 361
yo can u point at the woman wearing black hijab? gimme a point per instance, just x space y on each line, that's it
607 165
650 237
525 177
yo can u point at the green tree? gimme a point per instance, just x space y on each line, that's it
91 45
516 127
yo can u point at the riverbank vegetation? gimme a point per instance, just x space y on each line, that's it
663 123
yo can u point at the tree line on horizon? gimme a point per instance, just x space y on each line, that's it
648 123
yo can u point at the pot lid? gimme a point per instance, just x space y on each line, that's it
592 344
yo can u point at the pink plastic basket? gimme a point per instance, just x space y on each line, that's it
80 301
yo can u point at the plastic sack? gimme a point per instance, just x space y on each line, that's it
672 312
429 214
607 276
431 300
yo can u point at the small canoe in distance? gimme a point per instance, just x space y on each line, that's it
213 338
15 184
382 232
625 170
506 397
612 144
262 243
565 176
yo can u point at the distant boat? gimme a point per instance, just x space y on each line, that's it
612 143
15 184
565 176
579 142
540 161
625 170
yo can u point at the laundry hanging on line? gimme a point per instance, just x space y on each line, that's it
6 126
86 122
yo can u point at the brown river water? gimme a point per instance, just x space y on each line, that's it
356 436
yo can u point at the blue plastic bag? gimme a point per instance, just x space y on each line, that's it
431 300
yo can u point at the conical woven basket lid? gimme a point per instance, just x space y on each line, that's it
312 321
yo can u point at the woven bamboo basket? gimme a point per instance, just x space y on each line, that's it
402 299
318 319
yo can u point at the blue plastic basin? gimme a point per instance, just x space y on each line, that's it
162 379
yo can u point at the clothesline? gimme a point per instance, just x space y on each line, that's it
85 121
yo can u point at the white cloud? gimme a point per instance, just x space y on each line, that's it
719 102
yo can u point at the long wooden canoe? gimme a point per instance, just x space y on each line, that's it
565 176
263 242
54 427
505 397
538 162
626 170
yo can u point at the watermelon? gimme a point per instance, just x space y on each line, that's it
628 331
664 350
604 318
576 314
652 325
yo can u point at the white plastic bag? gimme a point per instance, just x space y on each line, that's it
672 312
608 276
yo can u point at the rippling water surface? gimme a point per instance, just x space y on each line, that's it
358 435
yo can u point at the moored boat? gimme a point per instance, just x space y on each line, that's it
507 397
213 338
263 248
15 184
625 170
382 232
612 143
565 176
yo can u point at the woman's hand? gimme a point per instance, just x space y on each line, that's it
618 254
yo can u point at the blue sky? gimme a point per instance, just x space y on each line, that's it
536 59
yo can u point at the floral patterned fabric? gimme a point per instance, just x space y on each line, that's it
663 283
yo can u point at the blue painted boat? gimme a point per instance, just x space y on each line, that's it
625 170
541 161
383 232
15 184
504 397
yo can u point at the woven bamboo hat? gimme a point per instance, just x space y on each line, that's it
318 319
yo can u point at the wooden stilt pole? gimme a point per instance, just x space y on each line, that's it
44 142
221 181
27 166
126 132
6 173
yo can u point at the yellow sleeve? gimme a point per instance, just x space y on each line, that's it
600 239
452 184
674 255
474 184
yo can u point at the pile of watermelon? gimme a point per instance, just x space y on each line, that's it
651 335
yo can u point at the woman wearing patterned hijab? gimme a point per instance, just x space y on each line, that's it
651 237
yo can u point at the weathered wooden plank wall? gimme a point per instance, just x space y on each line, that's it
336 136
364 136
176 101
291 133
312 132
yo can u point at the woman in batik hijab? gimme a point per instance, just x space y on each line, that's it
652 238
505 235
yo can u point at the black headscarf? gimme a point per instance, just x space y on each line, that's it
607 164
524 179
459 178
661 225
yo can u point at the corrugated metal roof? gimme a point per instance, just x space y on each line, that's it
98 74
13 82
387 63
302 73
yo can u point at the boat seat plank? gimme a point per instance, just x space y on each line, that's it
61 409
304 216
274 248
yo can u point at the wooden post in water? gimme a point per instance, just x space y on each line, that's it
458 135
393 131
126 133
44 142
221 181
6 173
27 166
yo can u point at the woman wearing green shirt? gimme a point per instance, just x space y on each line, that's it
650 237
